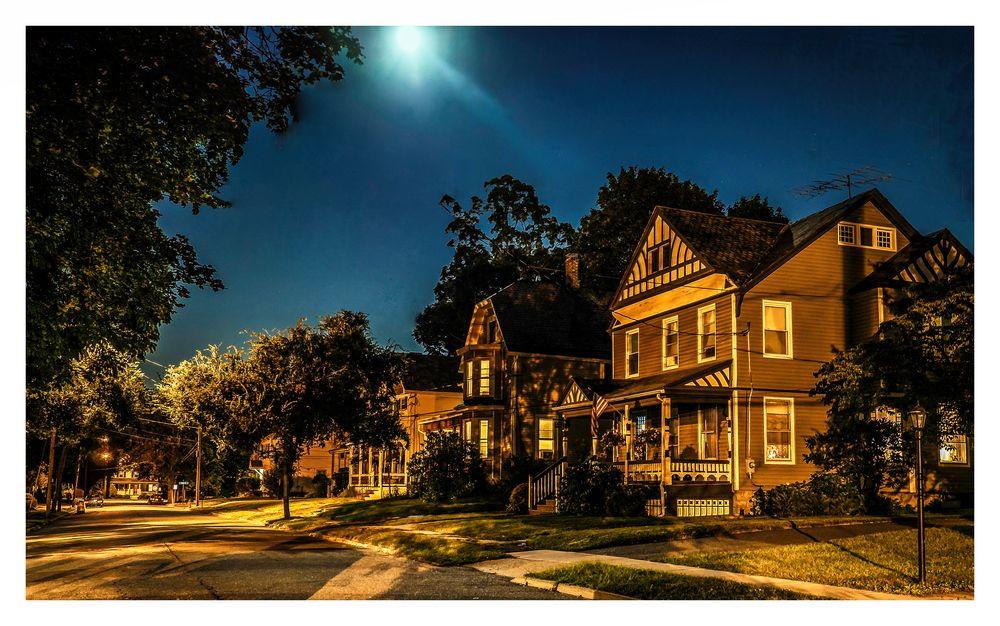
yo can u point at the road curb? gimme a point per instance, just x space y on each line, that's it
567 589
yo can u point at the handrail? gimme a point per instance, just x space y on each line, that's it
546 483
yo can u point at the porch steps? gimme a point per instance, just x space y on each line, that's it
546 507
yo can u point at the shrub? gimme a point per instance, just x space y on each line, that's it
518 503
515 471
594 488
320 485
271 483
446 468
248 486
823 494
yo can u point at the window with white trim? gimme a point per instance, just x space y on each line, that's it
777 329
671 343
632 353
477 377
709 426
468 430
546 440
866 236
706 333
484 438
954 450
779 430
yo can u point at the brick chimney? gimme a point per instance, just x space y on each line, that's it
573 270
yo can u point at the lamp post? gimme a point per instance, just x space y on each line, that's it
918 418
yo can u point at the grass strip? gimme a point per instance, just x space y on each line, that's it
652 585
883 562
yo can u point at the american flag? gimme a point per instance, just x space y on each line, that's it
599 405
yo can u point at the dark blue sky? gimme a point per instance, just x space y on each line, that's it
342 211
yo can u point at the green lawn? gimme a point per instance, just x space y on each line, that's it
879 562
650 585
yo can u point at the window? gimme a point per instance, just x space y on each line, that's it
777 329
658 258
484 438
706 333
477 377
673 435
778 430
468 430
491 331
546 448
632 353
484 377
671 354
955 449
845 234
640 422
866 236
710 432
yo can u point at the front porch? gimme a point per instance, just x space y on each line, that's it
378 473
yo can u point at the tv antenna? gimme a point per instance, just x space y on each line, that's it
866 175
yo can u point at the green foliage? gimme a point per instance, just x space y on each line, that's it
516 470
822 494
595 488
307 384
523 241
118 119
518 502
271 483
320 486
756 208
609 233
248 486
446 468
923 355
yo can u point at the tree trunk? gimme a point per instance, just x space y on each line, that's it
52 470
59 474
76 478
285 479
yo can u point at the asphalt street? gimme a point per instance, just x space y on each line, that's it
140 551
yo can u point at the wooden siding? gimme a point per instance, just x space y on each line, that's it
864 315
651 338
682 263
809 418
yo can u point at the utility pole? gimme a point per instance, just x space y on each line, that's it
197 472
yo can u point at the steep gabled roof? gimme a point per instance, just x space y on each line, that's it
734 246
430 372
547 317
798 235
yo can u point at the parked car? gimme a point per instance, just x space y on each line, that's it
155 499
95 500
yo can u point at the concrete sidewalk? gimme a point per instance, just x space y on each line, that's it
522 563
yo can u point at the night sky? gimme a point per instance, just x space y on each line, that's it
342 212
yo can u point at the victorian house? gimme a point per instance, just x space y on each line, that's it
523 346
718 326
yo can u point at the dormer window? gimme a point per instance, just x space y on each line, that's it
866 236
491 331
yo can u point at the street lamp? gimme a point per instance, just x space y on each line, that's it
918 419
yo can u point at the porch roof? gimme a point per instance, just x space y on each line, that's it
715 376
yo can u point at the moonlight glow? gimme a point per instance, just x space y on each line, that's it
409 39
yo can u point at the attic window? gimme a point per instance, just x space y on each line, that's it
491 331
866 236
658 258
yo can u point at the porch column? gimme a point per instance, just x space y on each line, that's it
664 459
628 442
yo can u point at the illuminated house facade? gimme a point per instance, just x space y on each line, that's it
718 326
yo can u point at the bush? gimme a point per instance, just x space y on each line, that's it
593 488
320 485
248 486
823 494
446 468
515 471
271 483
518 500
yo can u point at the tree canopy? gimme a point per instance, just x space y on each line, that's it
308 384
922 355
118 119
523 240
756 208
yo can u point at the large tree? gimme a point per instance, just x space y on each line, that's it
922 355
505 237
118 119
756 208
609 233
308 384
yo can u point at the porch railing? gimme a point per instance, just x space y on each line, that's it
546 484
677 471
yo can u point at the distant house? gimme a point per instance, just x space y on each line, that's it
523 345
719 325
127 483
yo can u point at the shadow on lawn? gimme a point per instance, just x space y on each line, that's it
854 554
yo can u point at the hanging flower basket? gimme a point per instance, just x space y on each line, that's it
648 437
611 439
